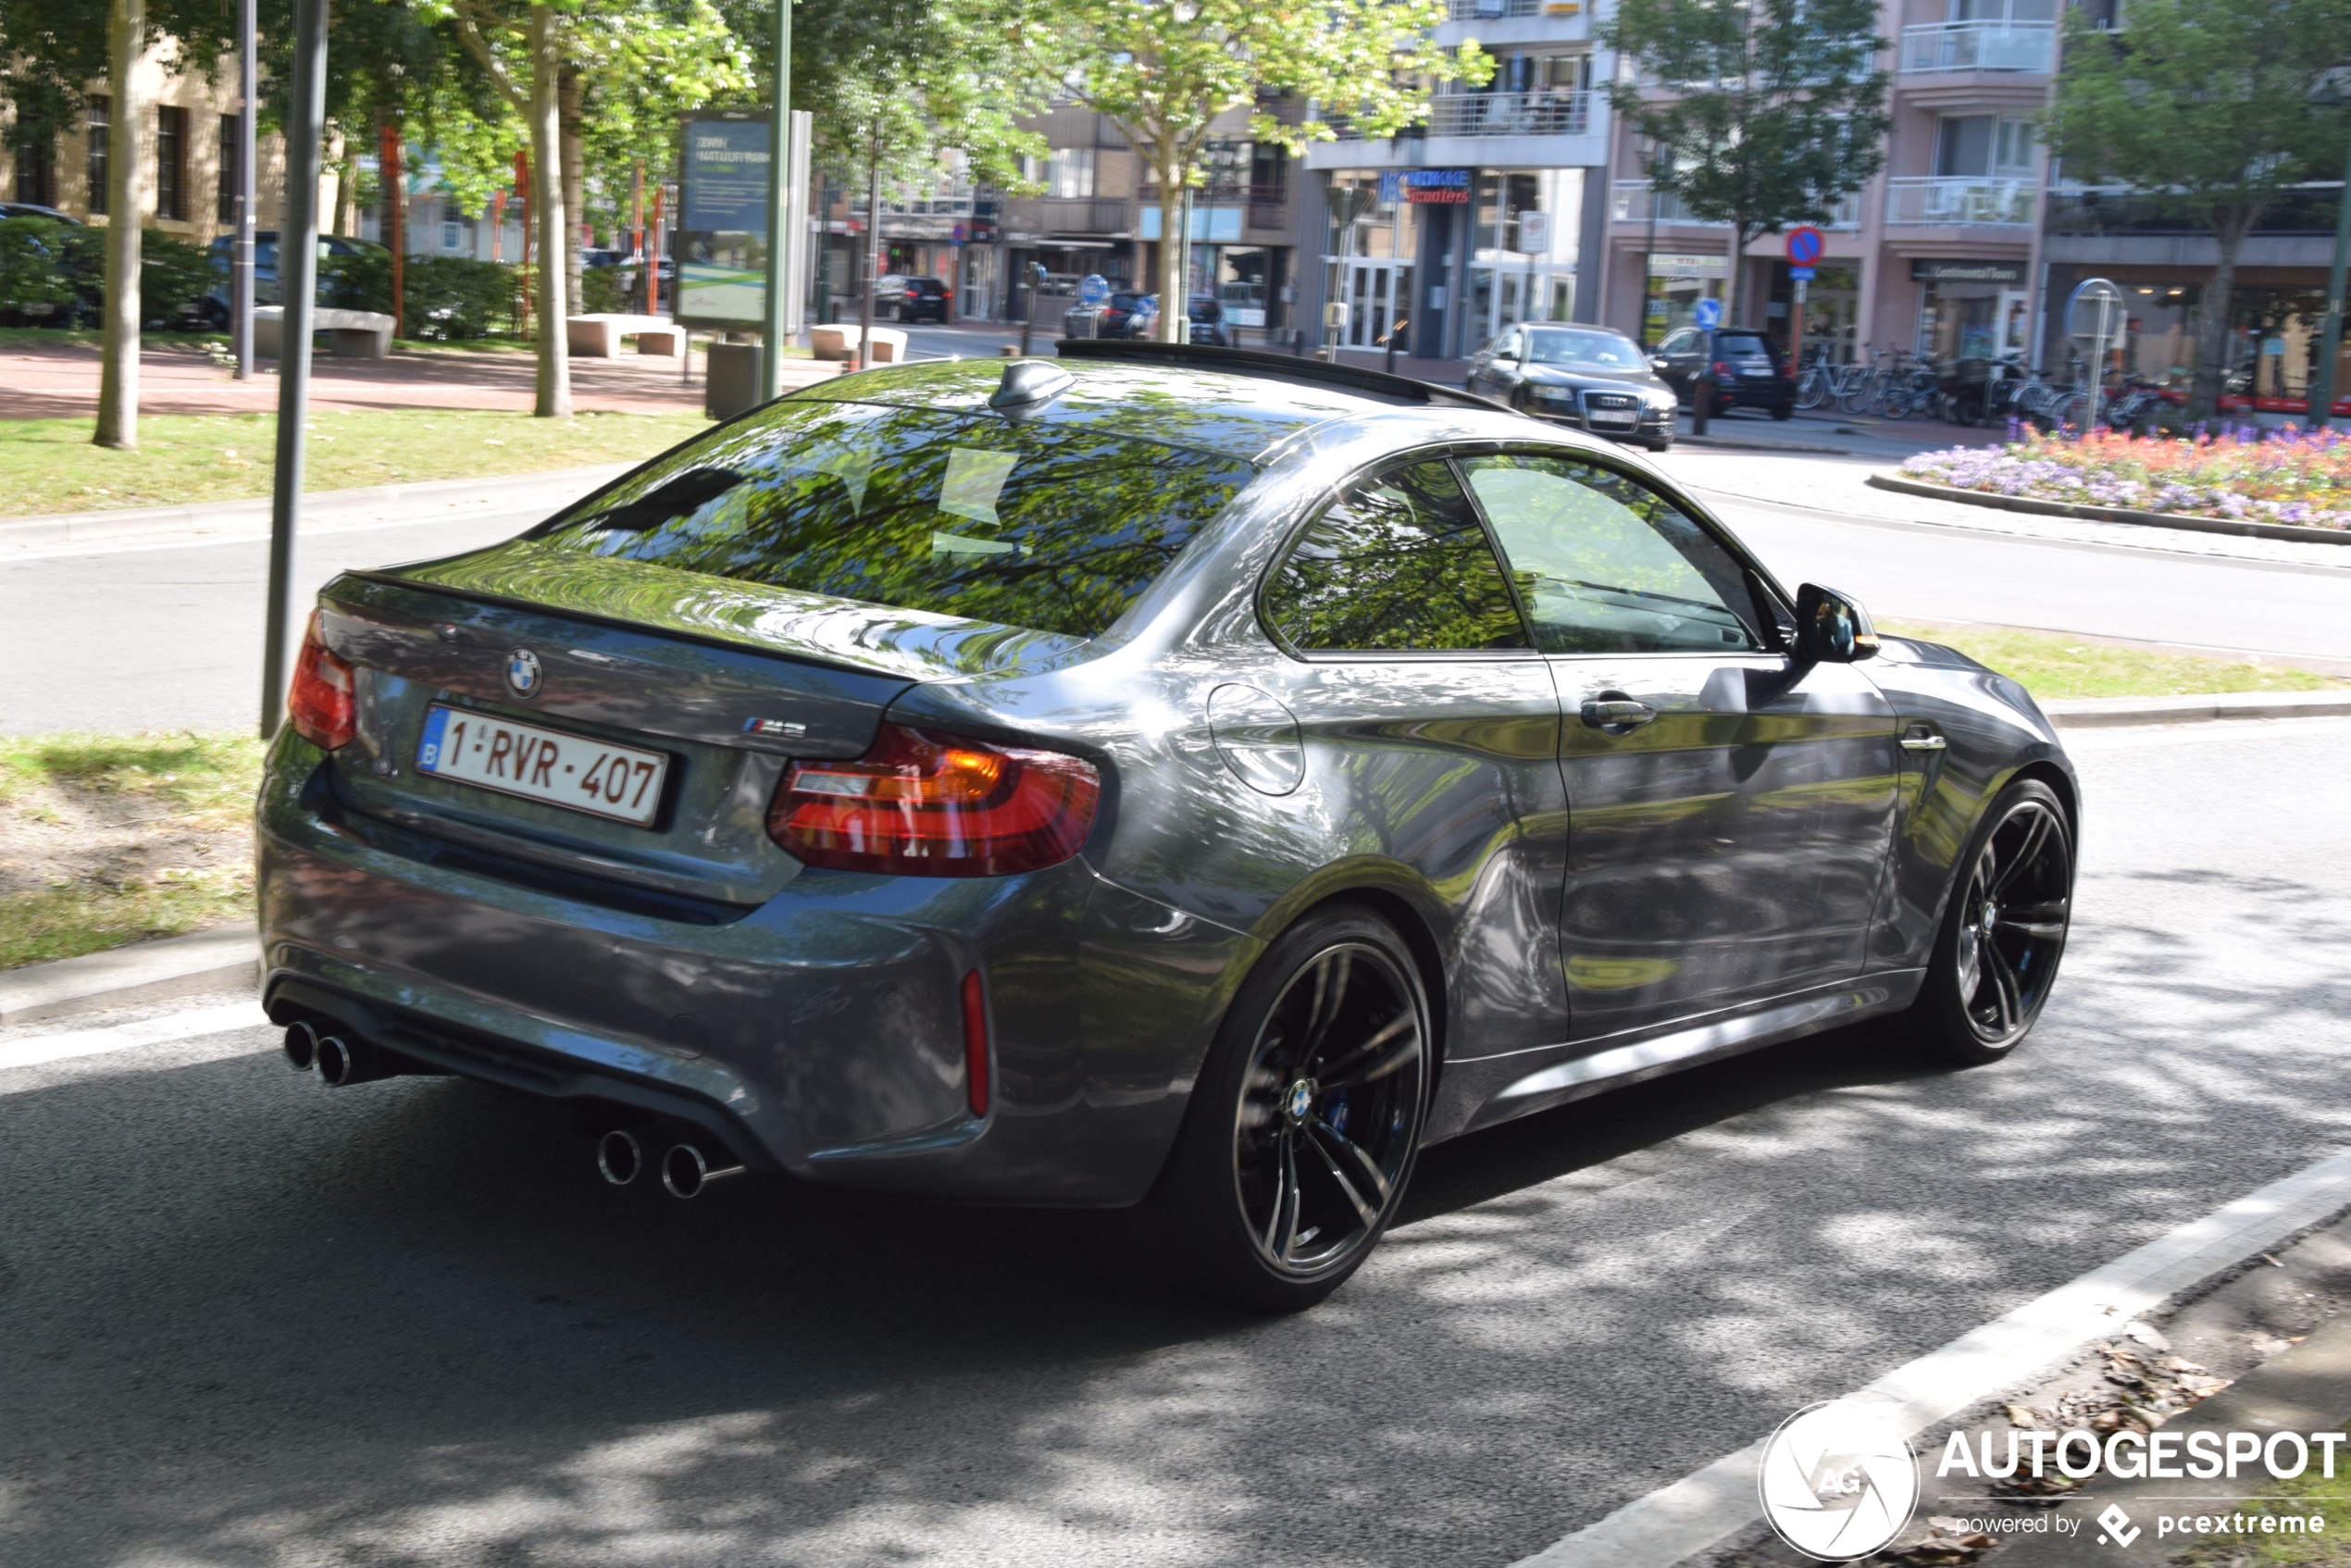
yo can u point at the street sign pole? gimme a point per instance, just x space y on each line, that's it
2331 336
240 255
297 288
779 229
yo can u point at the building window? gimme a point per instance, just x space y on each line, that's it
99 108
1268 171
37 171
453 237
1070 172
171 163
230 144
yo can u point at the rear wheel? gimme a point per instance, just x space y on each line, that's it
1305 1120
1997 955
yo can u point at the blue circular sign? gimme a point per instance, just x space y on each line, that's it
1093 289
1805 245
1709 314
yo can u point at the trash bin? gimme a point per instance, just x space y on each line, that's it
732 382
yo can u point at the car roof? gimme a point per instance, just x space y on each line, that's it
1234 402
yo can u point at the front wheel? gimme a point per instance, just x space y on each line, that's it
1304 1121
1996 954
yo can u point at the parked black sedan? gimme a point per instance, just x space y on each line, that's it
1749 371
1585 376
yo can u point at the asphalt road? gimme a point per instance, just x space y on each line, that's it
252 1321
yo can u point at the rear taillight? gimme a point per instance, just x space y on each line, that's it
976 1042
1723 369
946 293
920 803
319 705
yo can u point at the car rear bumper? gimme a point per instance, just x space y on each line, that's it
820 1034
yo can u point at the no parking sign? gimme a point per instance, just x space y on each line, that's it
1805 245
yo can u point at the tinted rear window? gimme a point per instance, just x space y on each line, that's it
1049 527
1740 342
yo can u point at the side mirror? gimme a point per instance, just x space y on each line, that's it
1832 629
1657 362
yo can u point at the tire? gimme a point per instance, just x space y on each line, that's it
1783 411
1996 959
1660 446
1304 1121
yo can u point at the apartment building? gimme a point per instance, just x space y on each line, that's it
189 143
1489 214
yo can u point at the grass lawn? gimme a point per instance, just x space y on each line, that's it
2052 665
50 466
2306 1495
113 839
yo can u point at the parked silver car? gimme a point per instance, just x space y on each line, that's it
1176 778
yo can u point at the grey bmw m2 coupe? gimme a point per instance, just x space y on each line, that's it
1170 778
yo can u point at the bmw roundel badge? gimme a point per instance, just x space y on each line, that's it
522 673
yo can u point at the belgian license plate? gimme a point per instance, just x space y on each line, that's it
1617 419
596 776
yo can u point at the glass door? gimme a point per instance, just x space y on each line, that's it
1379 296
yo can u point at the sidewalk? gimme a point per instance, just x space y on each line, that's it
60 380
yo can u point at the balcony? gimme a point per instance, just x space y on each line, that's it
1495 10
1494 114
1964 200
1268 204
1082 215
1631 204
1936 47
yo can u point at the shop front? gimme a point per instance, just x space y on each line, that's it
1832 310
1677 282
1972 309
2275 316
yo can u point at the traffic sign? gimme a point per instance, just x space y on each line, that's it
1093 289
1800 274
1805 245
1709 314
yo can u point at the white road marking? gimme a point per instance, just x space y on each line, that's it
1708 1506
191 1024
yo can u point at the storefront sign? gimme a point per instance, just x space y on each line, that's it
1423 187
1922 271
1665 265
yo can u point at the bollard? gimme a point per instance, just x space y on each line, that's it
1702 404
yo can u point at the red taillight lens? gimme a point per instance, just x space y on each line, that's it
946 293
924 804
1722 370
319 705
976 1042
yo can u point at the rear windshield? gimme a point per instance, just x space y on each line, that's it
1740 342
1054 527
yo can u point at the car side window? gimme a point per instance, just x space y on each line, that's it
1607 565
1398 562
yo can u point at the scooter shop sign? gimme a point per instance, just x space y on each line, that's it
1838 1482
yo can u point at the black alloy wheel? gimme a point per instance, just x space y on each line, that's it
1997 956
1305 1120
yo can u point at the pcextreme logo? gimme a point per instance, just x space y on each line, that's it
1838 1481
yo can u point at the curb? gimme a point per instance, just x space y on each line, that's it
451 497
1725 444
2095 713
2109 514
207 961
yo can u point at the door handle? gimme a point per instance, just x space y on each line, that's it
1921 739
1617 715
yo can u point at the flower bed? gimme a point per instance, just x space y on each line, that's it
2245 475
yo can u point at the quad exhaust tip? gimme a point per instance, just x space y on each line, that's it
338 1062
621 1156
301 1046
685 1170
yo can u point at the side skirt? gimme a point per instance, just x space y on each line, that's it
1495 1090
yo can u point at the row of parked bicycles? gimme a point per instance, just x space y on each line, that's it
1895 384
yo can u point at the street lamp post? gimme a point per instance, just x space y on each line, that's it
240 255
779 231
297 290
2330 335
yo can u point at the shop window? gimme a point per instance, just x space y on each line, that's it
171 163
99 124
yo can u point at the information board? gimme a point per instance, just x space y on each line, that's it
722 222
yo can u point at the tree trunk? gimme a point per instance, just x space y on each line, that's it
1175 306
119 371
2212 315
547 197
568 95
1732 313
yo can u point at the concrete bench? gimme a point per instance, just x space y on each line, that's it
598 336
840 341
355 334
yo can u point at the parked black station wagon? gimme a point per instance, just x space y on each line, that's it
1175 779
